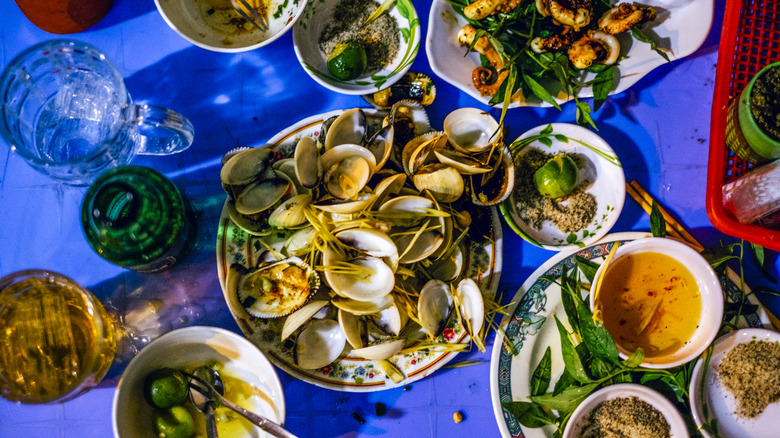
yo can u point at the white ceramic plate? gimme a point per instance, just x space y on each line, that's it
216 29
234 245
602 169
685 27
132 416
623 390
318 14
711 400
528 328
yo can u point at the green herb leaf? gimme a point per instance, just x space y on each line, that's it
596 337
602 85
587 267
540 379
565 381
528 414
640 36
583 115
571 358
657 221
635 359
567 400
540 91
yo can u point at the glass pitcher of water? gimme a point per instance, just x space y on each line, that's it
65 110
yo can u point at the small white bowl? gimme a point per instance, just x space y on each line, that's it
712 403
212 28
132 416
602 168
709 288
622 390
306 36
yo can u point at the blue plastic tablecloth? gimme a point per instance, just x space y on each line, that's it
659 128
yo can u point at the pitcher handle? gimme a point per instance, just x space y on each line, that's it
162 131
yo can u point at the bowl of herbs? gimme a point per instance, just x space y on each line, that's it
357 47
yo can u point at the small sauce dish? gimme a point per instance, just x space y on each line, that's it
662 296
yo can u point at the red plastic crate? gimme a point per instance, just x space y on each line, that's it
750 39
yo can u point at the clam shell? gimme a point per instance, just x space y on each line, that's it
471 306
464 163
262 195
349 127
370 242
354 328
356 307
391 320
346 206
256 225
419 151
290 213
471 129
377 283
244 166
380 351
381 145
300 317
308 168
434 306
301 241
494 187
293 282
319 343
444 182
348 168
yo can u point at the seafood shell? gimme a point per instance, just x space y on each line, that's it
434 307
319 343
277 289
350 127
471 130
412 87
494 187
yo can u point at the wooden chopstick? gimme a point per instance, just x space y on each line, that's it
673 227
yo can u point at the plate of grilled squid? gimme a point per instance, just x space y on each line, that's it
472 44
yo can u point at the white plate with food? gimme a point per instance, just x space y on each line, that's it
588 213
530 328
481 256
682 26
746 363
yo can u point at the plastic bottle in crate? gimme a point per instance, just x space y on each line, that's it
755 197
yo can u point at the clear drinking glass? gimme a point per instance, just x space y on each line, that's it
64 108
57 340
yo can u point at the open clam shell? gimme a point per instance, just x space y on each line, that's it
471 129
277 289
348 168
308 167
372 278
319 343
471 306
348 128
244 166
494 187
443 181
435 306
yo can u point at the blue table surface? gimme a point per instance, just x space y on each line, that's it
659 129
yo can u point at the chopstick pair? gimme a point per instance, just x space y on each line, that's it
673 227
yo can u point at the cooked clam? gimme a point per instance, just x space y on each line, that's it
319 343
291 212
443 181
471 306
243 167
434 307
354 328
277 289
471 129
348 128
307 162
300 317
262 195
380 350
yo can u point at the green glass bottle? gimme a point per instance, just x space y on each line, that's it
137 218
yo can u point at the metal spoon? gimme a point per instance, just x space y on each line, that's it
203 403
212 389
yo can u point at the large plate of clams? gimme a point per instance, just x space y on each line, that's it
346 267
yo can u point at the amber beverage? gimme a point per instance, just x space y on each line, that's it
57 341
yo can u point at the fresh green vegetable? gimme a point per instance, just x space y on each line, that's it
165 387
347 61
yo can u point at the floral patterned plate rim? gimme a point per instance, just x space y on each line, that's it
484 262
599 166
536 300
317 15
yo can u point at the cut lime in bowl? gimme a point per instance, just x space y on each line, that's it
318 20
599 178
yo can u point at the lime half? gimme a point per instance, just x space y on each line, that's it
165 387
347 61
176 422
557 178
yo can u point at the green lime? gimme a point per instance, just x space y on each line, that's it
557 178
175 422
347 61
165 387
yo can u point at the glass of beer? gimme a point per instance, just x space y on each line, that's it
57 340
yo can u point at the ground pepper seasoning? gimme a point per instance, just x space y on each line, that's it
569 216
765 102
380 38
751 372
625 417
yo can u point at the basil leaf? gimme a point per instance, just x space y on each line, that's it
596 337
528 414
565 381
540 91
540 379
587 267
602 85
640 36
571 358
566 401
583 115
657 221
